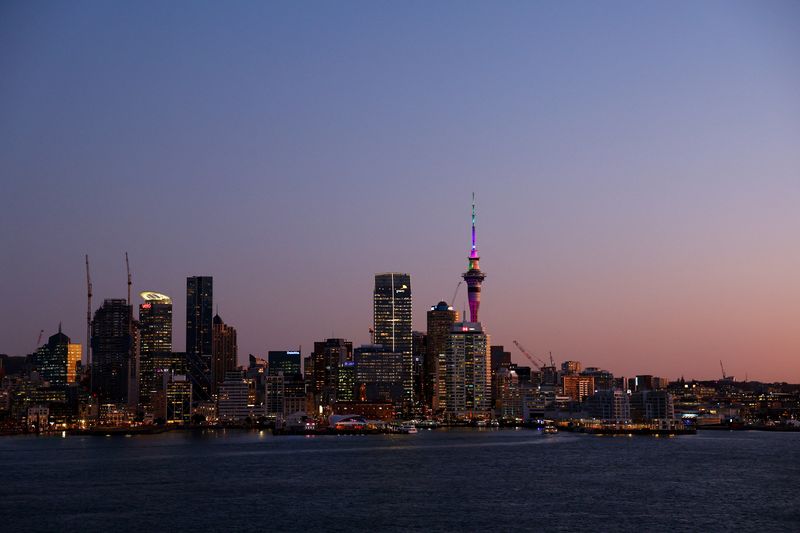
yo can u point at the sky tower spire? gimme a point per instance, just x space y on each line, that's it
474 251
474 277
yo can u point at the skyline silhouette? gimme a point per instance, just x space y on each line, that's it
636 171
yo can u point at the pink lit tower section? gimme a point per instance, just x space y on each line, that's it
474 277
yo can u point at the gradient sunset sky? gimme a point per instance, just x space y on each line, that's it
636 166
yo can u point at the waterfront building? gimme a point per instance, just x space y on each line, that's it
392 322
649 405
378 374
327 357
369 410
155 337
172 398
508 403
224 351
440 318
199 314
232 397
115 353
609 406
274 395
577 387
467 372
285 392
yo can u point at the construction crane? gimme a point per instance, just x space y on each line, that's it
39 340
725 377
538 363
128 268
455 293
89 326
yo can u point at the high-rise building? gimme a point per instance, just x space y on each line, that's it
286 361
115 353
419 347
233 398
571 367
610 405
74 352
199 314
223 352
285 379
327 357
346 382
467 372
577 387
392 322
155 337
500 362
56 361
378 376
473 276
441 318
508 403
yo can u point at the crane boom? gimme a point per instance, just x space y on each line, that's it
39 340
89 326
128 268
723 370
537 363
455 293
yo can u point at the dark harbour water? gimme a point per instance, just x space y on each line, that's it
462 480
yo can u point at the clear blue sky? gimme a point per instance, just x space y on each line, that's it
637 168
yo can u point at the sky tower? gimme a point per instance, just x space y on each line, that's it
474 277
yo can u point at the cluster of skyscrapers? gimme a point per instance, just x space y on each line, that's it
449 372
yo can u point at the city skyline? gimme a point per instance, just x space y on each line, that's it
637 193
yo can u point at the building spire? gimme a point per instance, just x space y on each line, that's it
473 276
474 250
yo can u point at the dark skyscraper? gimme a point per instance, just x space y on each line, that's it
224 351
441 318
327 357
52 360
474 277
115 353
155 339
392 321
287 362
199 314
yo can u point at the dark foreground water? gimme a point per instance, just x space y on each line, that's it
467 480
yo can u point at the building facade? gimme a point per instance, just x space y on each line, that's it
115 353
155 337
467 372
199 314
441 318
392 322
224 351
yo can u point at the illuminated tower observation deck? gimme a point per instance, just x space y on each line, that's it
474 277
